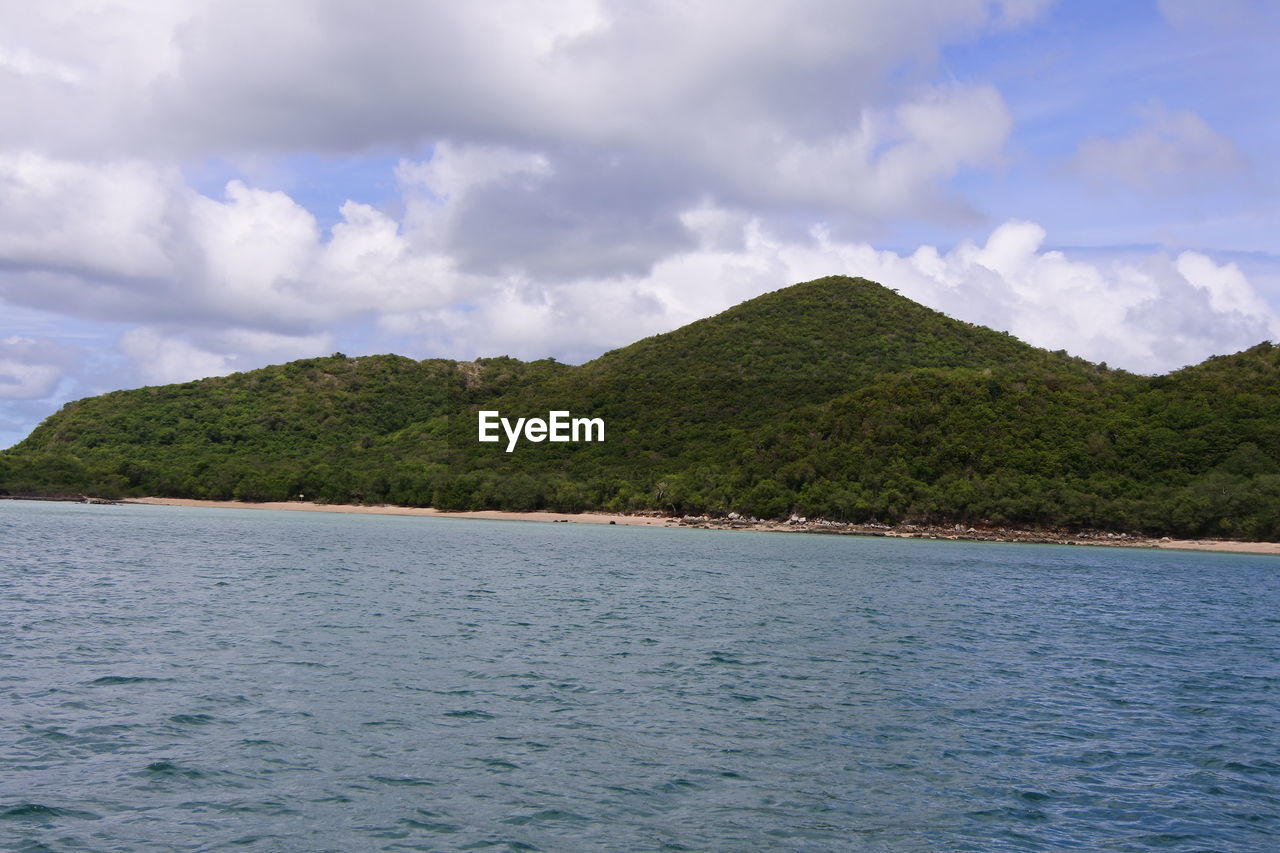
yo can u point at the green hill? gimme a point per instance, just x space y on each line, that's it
834 398
809 342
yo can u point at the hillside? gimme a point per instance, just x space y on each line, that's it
801 345
836 397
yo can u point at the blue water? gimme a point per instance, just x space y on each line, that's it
183 679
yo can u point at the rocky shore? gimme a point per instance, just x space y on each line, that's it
961 532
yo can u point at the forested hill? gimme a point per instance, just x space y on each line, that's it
835 398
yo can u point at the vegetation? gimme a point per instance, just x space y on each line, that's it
834 398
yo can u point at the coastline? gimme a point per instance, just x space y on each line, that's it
383 509
905 531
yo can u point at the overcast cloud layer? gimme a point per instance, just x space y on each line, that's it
192 188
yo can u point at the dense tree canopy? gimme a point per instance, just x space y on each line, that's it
834 398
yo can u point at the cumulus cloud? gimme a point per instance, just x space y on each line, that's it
164 360
162 356
1170 151
892 163
105 218
664 74
130 241
200 76
27 64
30 368
1150 314
634 110
220 284
584 210
568 142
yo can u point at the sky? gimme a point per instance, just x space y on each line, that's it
193 188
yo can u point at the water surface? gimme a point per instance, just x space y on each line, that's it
186 679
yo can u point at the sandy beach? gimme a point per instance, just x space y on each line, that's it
1221 545
492 515
906 531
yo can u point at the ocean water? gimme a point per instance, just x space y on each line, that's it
184 679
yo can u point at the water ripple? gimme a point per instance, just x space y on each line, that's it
234 680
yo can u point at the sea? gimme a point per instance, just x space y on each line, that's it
179 679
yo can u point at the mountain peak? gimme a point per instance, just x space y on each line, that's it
830 336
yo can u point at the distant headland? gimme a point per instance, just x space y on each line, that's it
835 399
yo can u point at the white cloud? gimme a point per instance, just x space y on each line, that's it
24 62
163 360
161 356
107 218
1228 290
1149 314
892 163
22 381
82 73
224 284
586 71
254 251
454 170
1172 150
686 100
31 368
128 241
236 73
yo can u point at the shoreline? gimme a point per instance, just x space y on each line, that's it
794 525
386 509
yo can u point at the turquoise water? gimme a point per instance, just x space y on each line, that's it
183 679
